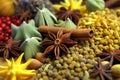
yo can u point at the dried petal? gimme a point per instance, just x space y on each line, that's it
14 52
16 48
101 71
107 55
58 43
57 52
11 47
47 43
74 15
64 48
48 50
6 52
52 36
66 36
69 42
60 33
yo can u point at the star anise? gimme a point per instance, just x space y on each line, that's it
74 15
58 42
114 56
10 48
24 15
101 71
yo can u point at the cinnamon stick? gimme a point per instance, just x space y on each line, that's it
77 34
112 3
79 39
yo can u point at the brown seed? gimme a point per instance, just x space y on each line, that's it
39 56
116 70
105 63
43 73
35 64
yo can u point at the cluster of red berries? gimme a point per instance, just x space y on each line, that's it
5 26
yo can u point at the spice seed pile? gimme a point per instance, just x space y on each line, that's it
70 40
76 65
106 27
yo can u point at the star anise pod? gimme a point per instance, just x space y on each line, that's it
101 71
113 57
58 42
24 15
74 15
10 48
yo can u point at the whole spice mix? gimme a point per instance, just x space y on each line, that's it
58 43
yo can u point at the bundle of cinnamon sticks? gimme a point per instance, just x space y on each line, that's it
76 34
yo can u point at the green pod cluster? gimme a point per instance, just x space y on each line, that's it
44 17
29 36
66 24
30 47
93 5
25 30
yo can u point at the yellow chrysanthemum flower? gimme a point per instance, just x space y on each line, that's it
15 70
71 5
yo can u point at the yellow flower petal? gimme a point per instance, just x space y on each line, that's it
15 70
57 7
24 65
71 5
18 61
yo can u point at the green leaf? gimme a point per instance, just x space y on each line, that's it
48 20
26 30
50 14
66 24
30 47
45 17
14 30
39 19
93 5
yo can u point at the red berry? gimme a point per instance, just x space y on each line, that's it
0 21
9 31
4 20
8 23
6 38
17 22
7 18
3 25
1 29
7 34
2 17
1 37
7 28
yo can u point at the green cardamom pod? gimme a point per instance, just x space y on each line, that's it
30 47
30 36
45 17
86 76
66 24
25 30
116 70
93 5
